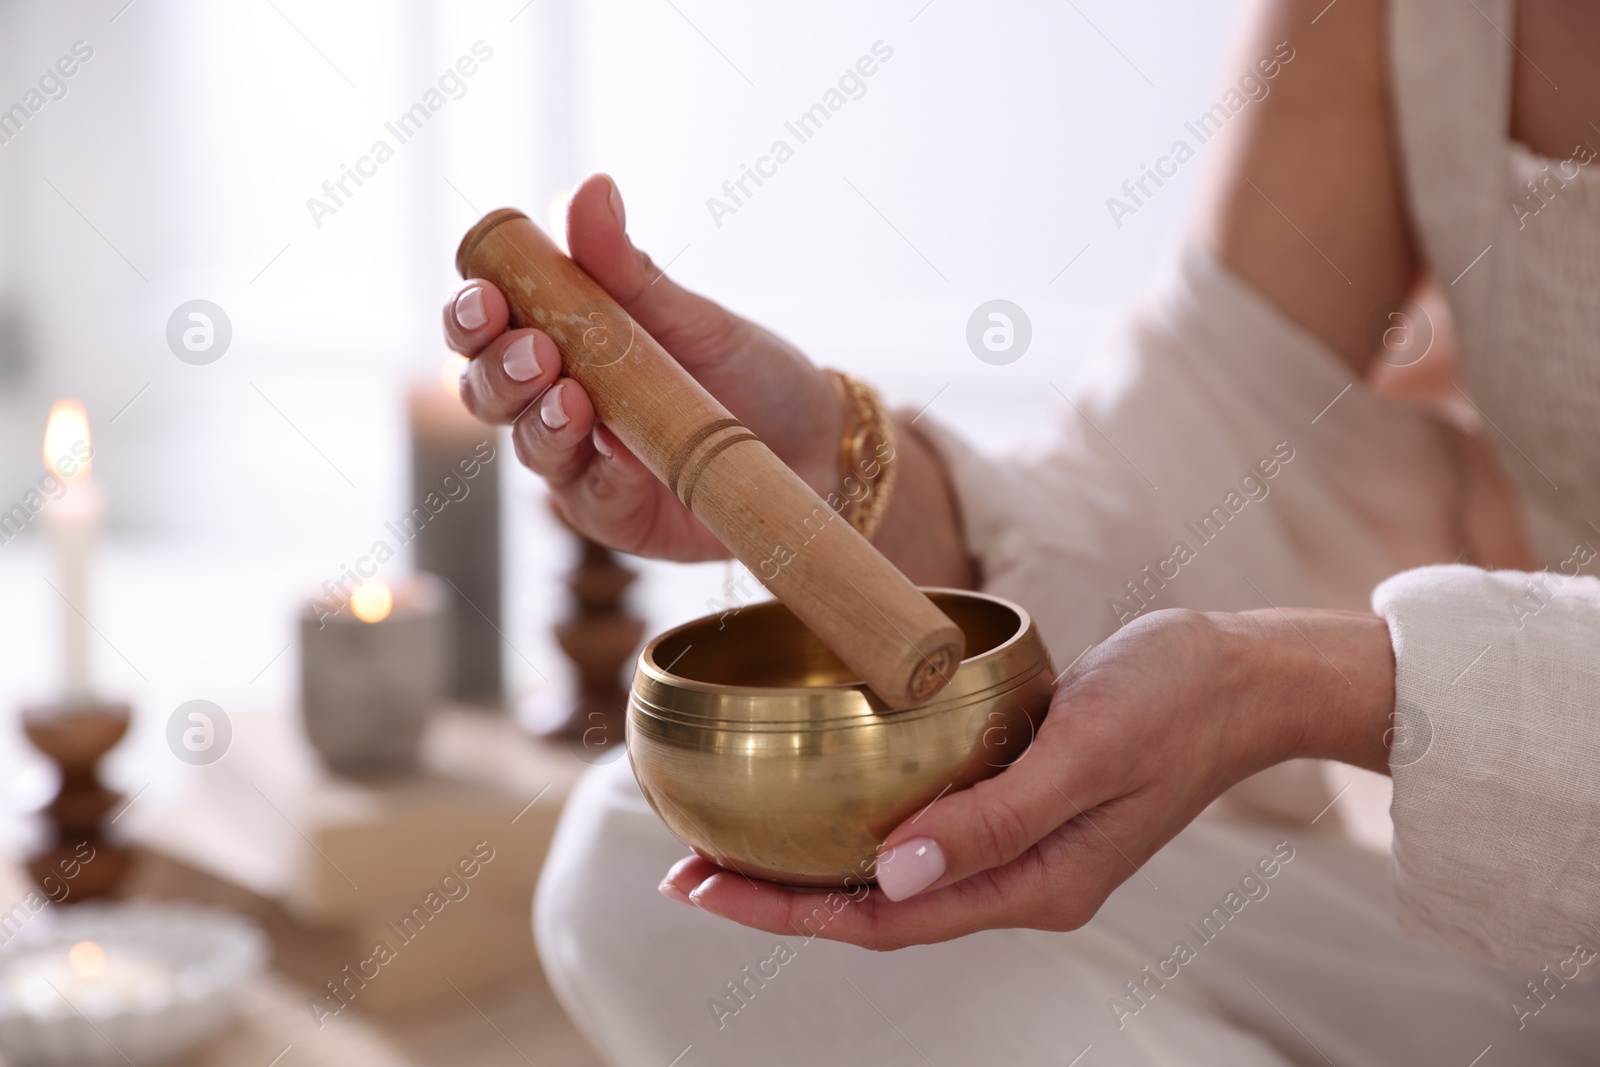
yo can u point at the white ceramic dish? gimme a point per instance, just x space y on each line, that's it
156 981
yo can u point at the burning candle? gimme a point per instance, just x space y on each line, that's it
95 985
369 677
49 983
72 523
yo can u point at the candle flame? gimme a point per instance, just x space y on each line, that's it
450 375
66 441
88 959
372 602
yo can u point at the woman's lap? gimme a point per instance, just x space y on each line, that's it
1288 969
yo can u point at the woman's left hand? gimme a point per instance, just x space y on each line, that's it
1148 729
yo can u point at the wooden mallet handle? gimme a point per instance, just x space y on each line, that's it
835 582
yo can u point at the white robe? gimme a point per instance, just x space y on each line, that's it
1205 383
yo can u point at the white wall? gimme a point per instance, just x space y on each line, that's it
190 142
976 165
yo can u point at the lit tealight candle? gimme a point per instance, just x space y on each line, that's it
369 676
372 601
72 521
50 983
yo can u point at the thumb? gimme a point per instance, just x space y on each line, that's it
688 325
986 826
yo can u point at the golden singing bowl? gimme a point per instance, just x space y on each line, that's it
764 754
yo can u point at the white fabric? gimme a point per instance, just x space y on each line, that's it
1313 967
1495 811
1497 790
1230 378
1527 313
1207 379
1495 846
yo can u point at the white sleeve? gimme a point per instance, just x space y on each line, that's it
1208 406
1496 759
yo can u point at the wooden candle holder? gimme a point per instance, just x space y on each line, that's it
868 613
600 638
79 862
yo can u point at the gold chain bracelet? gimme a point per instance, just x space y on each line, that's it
867 456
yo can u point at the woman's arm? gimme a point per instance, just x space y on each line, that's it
1304 197
922 533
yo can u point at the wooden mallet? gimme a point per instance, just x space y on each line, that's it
804 552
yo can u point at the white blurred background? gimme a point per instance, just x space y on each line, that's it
179 163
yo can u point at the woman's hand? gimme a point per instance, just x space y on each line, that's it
602 488
1150 727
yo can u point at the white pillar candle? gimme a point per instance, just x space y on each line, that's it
72 524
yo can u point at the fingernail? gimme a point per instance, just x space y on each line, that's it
601 445
910 867
519 361
551 413
697 895
616 207
672 892
469 309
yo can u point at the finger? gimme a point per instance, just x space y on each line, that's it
552 436
999 819
685 877
508 374
1009 897
685 323
476 315
616 500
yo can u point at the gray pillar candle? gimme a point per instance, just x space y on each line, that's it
369 677
453 526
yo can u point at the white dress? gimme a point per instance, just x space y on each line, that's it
1495 784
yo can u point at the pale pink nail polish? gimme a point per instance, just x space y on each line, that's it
601 445
470 314
910 867
551 413
672 892
616 208
519 361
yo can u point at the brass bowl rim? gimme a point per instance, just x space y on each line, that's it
656 674
842 720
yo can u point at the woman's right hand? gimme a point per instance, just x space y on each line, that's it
602 489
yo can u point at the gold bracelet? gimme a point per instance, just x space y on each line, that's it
866 455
